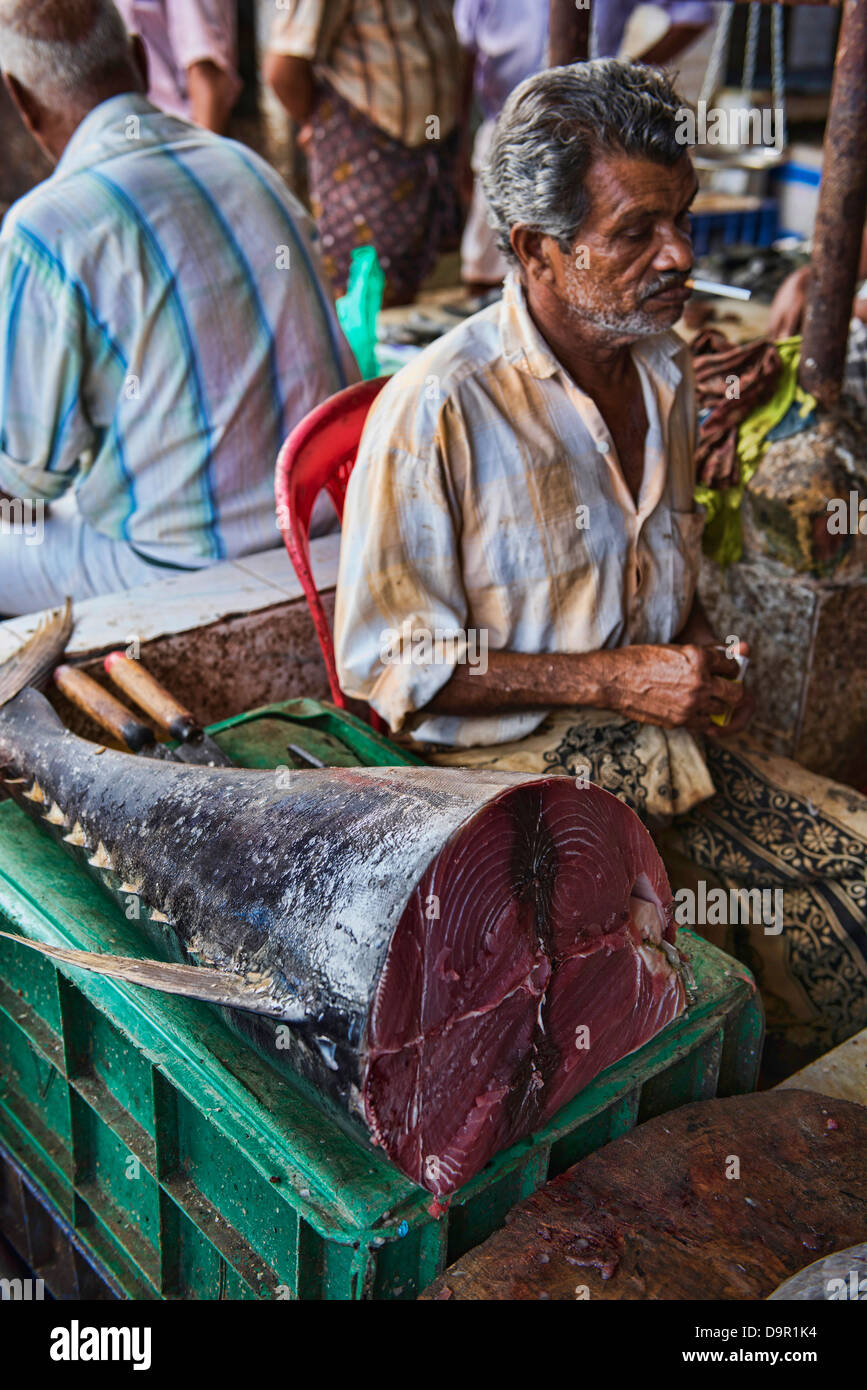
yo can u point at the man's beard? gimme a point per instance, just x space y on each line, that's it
637 322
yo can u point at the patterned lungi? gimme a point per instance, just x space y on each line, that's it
370 189
768 825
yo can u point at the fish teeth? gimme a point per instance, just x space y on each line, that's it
130 888
102 858
76 836
36 794
14 781
55 816
157 916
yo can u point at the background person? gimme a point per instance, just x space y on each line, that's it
787 318
379 83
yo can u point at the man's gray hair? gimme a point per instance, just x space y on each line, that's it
61 50
552 128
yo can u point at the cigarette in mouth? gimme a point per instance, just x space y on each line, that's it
724 291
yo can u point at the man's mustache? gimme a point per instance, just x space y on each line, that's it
668 280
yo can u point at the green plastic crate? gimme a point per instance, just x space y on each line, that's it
188 1168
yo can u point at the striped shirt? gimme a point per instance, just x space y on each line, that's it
487 499
178 35
163 325
397 61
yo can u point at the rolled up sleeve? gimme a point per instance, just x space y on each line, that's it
44 429
204 31
297 29
400 600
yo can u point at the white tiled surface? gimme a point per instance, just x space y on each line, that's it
181 602
9 641
275 567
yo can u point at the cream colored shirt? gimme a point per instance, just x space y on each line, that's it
487 499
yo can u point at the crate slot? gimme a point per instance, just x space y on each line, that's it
219 1233
48 1164
137 1140
31 1024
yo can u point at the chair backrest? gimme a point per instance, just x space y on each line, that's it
320 453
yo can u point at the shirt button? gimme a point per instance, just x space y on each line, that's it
603 446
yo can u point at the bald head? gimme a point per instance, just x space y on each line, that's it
61 58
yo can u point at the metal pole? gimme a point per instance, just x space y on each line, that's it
569 37
840 215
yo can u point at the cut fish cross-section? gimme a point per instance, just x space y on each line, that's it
527 959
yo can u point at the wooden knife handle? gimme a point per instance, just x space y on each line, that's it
103 708
150 696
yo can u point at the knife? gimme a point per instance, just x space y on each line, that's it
301 755
194 745
102 707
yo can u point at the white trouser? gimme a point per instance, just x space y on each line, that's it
47 553
480 259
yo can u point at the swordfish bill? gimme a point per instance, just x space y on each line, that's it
445 957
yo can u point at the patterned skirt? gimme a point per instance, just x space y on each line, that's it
769 825
370 189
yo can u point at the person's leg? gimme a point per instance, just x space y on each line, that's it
64 557
334 158
802 839
369 189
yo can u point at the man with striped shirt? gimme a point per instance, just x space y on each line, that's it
163 324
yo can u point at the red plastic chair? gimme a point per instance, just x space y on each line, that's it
320 453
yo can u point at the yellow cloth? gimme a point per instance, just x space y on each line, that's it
722 534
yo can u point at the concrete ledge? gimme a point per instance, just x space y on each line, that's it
181 602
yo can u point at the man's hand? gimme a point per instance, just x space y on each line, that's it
676 686
787 308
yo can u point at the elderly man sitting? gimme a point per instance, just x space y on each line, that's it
163 324
520 551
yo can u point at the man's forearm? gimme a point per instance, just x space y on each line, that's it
292 80
212 95
675 39
530 680
668 685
